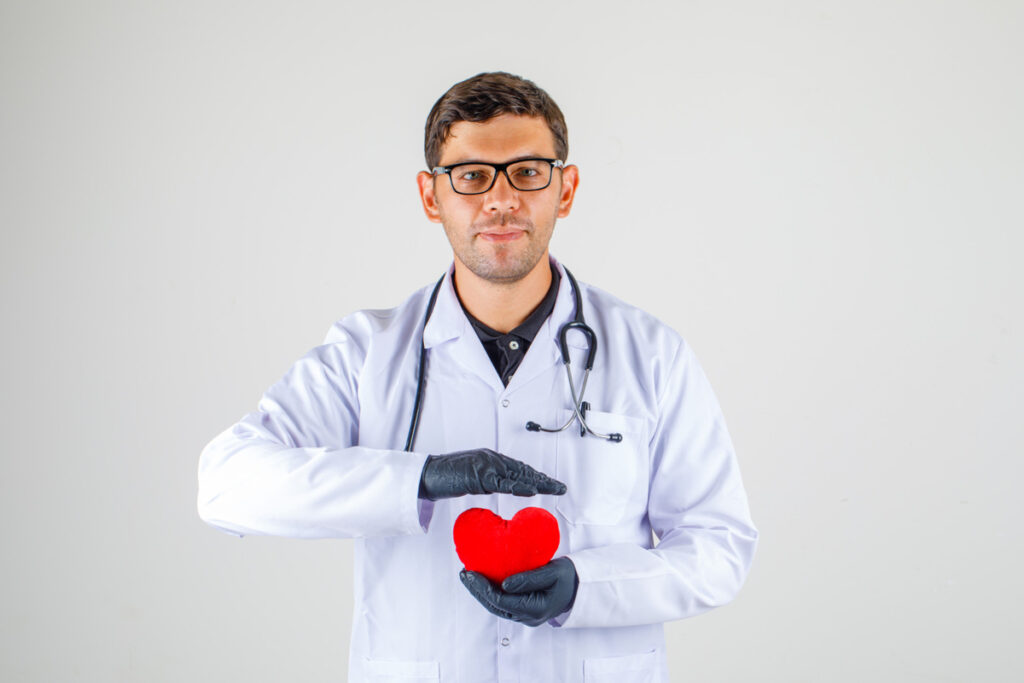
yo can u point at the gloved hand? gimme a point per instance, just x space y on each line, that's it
482 471
531 597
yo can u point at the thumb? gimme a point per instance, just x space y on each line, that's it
528 582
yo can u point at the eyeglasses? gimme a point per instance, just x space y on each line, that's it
476 177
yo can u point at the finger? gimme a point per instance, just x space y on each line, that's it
522 488
509 481
480 587
494 482
477 585
491 597
542 482
551 486
522 472
528 582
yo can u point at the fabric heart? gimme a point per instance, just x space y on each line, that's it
498 548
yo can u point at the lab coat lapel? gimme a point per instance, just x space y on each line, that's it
544 350
450 331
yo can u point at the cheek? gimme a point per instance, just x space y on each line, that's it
457 214
454 221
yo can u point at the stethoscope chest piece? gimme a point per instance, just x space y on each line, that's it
580 407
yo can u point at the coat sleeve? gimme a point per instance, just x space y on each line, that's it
697 507
290 468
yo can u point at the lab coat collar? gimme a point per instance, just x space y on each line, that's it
448 319
564 311
544 351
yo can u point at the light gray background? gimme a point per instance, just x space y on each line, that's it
823 197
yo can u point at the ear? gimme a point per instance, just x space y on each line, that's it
570 179
426 184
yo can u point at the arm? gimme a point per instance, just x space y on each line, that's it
698 508
290 468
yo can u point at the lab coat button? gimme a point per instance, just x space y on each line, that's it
504 403
505 641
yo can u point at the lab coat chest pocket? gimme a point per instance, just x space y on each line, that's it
603 477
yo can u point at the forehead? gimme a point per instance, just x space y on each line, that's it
504 137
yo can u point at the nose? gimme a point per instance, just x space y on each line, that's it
502 196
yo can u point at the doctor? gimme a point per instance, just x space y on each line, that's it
323 454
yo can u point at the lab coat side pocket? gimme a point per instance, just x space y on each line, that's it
602 477
639 668
381 671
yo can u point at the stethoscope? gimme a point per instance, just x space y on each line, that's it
580 407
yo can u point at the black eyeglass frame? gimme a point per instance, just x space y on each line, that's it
498 168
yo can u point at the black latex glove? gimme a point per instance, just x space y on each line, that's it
482 471
532 597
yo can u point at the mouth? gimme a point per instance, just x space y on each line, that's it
501 235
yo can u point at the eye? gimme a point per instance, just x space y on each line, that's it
473 174
528 172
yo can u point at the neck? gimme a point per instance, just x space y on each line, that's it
502 306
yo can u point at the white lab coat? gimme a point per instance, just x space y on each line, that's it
322 457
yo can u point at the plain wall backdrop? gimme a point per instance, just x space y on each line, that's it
824 198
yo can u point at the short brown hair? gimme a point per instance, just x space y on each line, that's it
485 96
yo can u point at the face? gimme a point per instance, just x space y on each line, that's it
503 234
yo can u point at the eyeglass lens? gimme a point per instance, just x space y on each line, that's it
524 175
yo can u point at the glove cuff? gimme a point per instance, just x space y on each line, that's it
423 476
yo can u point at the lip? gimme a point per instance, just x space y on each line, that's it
503 236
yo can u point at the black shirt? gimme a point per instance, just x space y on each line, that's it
506 351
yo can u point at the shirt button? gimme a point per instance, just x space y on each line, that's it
513 345
505 641
504 403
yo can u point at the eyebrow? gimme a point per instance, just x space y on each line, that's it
509 161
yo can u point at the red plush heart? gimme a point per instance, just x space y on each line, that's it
498 548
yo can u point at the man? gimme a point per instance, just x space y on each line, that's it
323 456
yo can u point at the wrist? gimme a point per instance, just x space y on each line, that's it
575 583
423 493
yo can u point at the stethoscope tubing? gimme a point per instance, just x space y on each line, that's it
421 375
579 407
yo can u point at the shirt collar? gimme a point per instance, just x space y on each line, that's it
449 321
526 330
